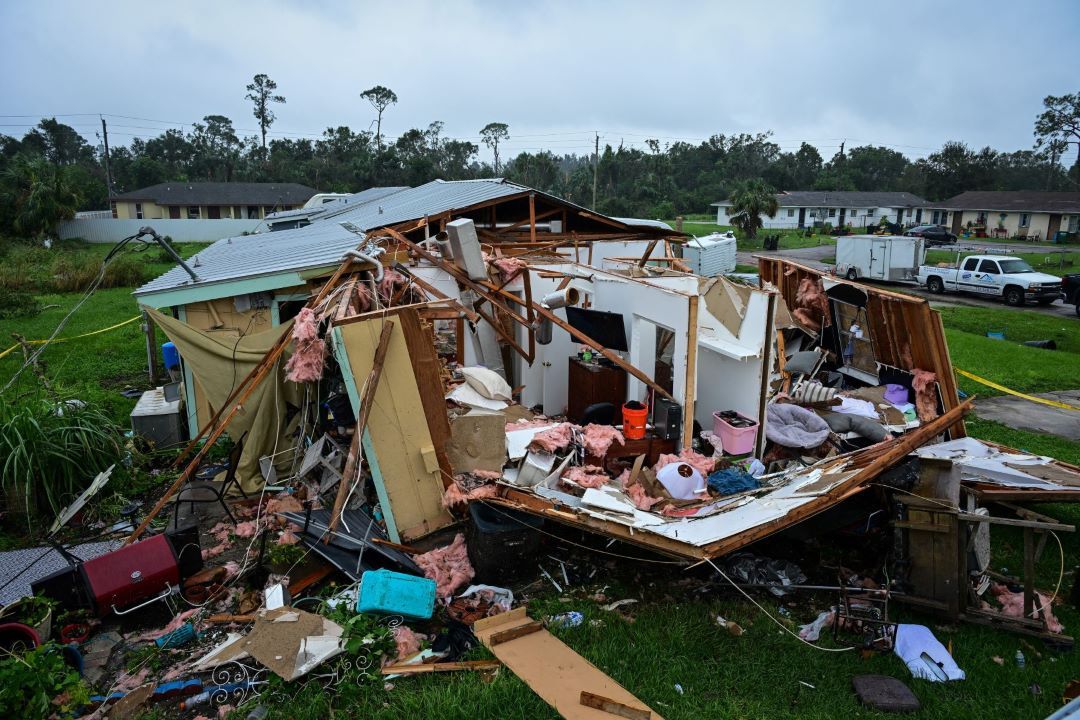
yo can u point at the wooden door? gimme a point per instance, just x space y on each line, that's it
802 217
174 212
1053 226
213 212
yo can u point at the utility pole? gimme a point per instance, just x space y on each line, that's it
595 166
108 172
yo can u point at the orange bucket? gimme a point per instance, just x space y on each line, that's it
634 415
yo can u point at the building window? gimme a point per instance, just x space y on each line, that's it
832 212
138 211
237 212
980 219
870 211
1025 220
112 206
791 212
253 212
193 212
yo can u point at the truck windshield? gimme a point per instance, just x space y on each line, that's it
1015 266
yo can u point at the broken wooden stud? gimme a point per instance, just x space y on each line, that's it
422 668
515 632
613 707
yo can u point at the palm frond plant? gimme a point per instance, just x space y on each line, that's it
749 201
50 451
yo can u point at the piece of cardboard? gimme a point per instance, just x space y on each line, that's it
552 670
289 642
477 442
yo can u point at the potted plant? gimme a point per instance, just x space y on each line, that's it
35 611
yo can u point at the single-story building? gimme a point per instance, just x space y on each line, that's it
1017 213
326 204
805 208
209 201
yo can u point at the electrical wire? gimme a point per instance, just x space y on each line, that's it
767 614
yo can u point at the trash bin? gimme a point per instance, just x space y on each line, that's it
1061 237
772 242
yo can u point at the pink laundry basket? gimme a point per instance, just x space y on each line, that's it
736 440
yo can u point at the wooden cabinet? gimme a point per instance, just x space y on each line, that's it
591 383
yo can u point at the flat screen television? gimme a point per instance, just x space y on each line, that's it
606 328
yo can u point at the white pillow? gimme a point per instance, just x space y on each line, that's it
487 382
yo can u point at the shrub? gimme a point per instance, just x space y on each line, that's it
50 451
124 271
40 684
17 303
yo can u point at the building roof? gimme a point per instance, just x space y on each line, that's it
353 200
324 242
222 193
1015 200
844 199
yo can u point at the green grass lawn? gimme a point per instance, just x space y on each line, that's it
97 368
789 239
1049 262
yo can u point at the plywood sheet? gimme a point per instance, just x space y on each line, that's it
552 670
405 468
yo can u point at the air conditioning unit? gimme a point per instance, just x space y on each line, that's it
711 255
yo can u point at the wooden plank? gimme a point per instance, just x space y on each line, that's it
532 217
613 707
424 668
552 670
691 373
515 632
428 372
352 462
648 251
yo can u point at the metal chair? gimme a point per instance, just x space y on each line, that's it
207 491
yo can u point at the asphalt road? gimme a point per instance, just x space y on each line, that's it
813 256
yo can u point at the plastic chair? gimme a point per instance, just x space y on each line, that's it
207 491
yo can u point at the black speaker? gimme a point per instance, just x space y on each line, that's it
185 542
666 418
66 587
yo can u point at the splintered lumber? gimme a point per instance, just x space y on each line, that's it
423 668
555 672
225 618
366 401
482 288
515 632
613 707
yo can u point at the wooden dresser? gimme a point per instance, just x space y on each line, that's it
591 383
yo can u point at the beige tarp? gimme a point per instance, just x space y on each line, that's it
217 363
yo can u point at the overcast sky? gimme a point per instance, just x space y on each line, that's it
909 75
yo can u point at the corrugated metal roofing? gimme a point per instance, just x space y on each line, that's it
324 241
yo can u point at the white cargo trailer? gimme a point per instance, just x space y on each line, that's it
894 258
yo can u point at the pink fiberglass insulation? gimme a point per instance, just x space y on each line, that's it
391 280
283 503
232 569
925 395
812 304
486 474
641 499
212 552
599 438
363 297
1012 604
587 476
696 460
288 537
553 439
408 642
448 566
246 529
509 267
538 421
309 355
455 495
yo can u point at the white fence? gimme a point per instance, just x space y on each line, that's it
109 230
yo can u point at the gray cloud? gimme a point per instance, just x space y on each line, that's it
911 75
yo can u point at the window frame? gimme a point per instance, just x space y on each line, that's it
992 263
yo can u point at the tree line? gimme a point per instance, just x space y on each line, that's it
52 171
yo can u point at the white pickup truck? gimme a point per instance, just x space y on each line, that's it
1001 276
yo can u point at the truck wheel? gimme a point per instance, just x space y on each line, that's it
852 274
1014 296
935 285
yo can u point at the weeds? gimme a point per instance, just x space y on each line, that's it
50 451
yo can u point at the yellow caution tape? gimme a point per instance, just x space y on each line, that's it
1002 388
73 337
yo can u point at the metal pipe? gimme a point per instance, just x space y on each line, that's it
367 258
169 249
563 298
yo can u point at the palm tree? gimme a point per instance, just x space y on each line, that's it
40 195
749 201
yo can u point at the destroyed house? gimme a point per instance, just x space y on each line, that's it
484 343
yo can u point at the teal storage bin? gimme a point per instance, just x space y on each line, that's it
385 591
